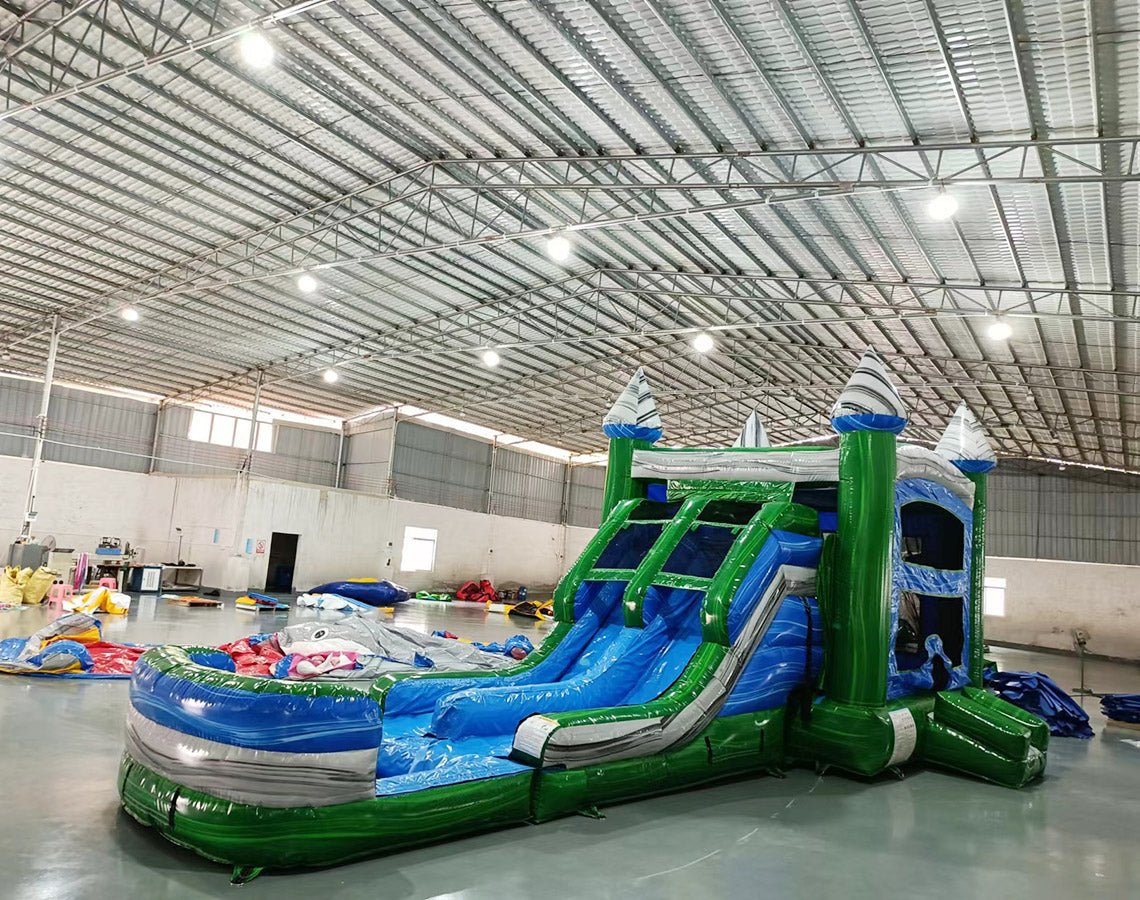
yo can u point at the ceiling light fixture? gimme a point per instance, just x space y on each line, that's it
490 358
558 248
943 206
330 375
999 330
256 50
703 342
129 313
306 283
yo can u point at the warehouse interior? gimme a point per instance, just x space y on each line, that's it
397 315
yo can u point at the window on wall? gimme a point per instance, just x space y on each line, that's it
419 549
228 431
993 597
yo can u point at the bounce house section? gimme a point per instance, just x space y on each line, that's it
930 590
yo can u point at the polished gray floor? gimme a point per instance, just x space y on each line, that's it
929 835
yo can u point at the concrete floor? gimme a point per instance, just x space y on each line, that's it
930 835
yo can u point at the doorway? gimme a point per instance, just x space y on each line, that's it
282 561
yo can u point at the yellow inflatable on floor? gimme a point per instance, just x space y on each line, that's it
100 600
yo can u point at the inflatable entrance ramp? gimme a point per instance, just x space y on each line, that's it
737 612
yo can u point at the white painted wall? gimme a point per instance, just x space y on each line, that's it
1046 599
473 545
81 504
343 534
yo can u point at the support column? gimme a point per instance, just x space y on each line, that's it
964 444
339 458
246 468
255 411
861 617
41 431
978 578
152 463
868 415
389 487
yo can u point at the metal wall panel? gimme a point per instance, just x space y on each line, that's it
1046 516
19 403
1013 512
1058 517
587 484
302 454
91 429
433 466
368 456
176 454
527 486
84 427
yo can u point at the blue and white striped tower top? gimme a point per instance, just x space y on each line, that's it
634 413
869 402
753 434
964 443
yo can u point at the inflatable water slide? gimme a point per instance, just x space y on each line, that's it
739 611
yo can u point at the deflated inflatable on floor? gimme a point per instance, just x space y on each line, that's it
738 611
1039 694
366 590
71 647
356 648
353 648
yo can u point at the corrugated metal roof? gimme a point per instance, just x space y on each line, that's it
197 188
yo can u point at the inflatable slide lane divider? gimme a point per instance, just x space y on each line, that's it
563 611
598 736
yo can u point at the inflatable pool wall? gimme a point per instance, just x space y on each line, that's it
738 611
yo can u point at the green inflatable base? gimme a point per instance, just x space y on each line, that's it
967 731
296 837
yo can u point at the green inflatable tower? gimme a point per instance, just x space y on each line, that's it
631 424
868 416
964 444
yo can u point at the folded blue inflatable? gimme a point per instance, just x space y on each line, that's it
1121 707
374 593
1039 694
